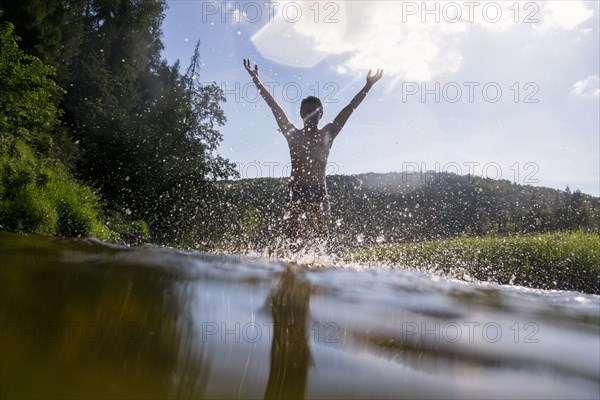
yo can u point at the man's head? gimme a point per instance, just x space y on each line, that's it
311 109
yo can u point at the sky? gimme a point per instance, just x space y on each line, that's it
498 89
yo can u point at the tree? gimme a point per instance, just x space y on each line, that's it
204 115
50 29
185 143
26 100
37 194
147 135
533 219
576 214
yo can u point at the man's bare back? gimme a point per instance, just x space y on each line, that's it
309 151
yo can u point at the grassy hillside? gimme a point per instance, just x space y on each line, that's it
372 209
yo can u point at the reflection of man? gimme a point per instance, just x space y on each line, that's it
290 354
309 150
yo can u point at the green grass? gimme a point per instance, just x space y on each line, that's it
39 196
560 260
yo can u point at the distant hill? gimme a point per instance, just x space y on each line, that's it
396 207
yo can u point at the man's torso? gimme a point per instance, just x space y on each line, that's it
309 152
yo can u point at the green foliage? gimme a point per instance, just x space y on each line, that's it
128 231
51 29
560 260
37 194
147 134
28 112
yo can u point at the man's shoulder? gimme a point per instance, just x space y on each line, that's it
290 131
329 130
327 127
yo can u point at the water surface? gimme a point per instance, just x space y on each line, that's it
82 319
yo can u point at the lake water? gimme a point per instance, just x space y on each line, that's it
83 319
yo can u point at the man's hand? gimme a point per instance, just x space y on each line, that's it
253 72
371 79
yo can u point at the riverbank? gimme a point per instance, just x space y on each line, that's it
558 260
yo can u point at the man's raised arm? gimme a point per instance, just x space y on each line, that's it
282 120
339 121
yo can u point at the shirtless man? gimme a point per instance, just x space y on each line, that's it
309 150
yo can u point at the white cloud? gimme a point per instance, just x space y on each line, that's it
369 35
564 15
588 87
401 37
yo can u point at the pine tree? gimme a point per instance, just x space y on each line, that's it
204 115
533 217
578 215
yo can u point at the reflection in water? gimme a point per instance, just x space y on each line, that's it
290 354
76 324
79 319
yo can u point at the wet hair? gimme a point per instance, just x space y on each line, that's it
310 105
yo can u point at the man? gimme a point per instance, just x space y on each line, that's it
309 150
